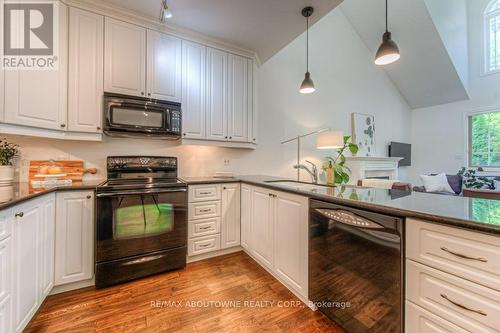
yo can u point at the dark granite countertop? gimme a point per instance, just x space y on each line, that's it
471 213
22 191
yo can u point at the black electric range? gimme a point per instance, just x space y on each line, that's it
141 219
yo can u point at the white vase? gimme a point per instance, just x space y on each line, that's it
6 174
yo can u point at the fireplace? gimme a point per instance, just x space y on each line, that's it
372 168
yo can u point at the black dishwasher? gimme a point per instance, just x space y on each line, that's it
356 267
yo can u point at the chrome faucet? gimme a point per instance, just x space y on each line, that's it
313 172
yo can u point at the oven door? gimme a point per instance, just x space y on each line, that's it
138 222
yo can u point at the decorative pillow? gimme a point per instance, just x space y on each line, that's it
455 182
437 183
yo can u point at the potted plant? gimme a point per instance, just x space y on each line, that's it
336 170
7 153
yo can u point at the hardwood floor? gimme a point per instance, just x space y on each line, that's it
196 295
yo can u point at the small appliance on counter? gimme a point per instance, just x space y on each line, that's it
129 116
141 221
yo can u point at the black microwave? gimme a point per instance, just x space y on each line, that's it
129 116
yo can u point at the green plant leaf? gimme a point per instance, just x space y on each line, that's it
353 148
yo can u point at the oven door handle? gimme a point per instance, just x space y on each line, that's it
114 194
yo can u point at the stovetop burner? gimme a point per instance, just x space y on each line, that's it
141 172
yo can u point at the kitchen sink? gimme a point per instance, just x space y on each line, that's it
300 185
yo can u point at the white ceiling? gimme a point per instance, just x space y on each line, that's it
262 26
425 74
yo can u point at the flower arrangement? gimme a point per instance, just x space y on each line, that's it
335 168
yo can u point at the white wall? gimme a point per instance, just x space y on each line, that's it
439 133
346 79
450 18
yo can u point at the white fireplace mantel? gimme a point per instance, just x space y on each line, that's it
372 167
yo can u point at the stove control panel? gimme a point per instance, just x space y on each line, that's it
145 163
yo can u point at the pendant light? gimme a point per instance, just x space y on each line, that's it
388 52
307 85
165 12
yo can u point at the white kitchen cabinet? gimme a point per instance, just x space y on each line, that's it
27 272
6 265
246 215
194 57
237 95
38 98
419 320
124 58
252 112
274 230
2 92
230 231
216 95
6 315
164 67
262 226
46 251
74 259
32 270
291 240
86 70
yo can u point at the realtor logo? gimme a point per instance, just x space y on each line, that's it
29 35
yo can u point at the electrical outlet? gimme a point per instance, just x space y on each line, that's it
227 162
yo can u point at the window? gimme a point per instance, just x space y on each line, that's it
492 36
484 139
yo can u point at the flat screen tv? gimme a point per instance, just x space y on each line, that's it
398 149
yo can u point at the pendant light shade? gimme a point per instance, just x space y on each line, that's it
307 85
388 52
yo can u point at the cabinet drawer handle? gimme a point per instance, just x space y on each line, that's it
89 197
205 228
463 255
21 214
462 306
204 245
205 210
63 125
205 193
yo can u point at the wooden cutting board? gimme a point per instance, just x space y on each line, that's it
73 170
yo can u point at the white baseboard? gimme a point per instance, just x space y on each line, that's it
214 254
72 286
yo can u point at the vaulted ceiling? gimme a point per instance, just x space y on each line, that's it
263 26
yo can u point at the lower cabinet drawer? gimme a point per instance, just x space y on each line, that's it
466 304
419 320
203 245
203 210
199 228
471 255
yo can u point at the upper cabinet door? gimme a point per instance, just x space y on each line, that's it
164 67
252 112
237 98
216 95
86 58
194 59
38 98
124 58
